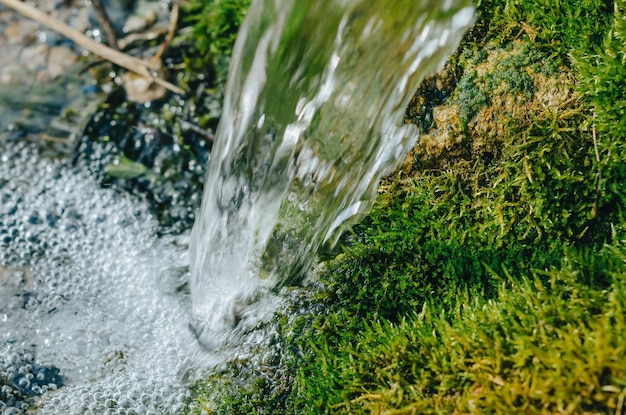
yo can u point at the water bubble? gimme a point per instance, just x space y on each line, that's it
24 383
25 369
85 278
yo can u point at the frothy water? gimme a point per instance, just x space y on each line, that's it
89 297
312 120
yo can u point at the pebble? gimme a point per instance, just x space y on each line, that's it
21 32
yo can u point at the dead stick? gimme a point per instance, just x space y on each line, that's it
170 35
119 58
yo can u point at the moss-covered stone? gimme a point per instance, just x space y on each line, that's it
489 277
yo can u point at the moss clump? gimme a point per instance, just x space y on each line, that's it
561 28
490 276
215 26
602 80
550 343
242 388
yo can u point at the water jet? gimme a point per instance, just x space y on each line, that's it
313 118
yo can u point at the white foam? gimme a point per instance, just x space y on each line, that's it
87 287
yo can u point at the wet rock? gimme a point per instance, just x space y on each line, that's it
22 379
482 110
140 89
433 91
445 135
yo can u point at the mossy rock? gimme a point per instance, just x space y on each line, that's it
499 95
489 276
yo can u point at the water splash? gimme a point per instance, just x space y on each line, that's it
312 119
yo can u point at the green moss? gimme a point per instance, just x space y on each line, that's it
240 389
548 342
558 27
471 98
496 283
216 23
603 76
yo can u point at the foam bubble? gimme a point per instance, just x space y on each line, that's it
91 312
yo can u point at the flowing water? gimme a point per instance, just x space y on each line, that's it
94 317
312 119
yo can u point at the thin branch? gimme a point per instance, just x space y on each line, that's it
132 64
208 134
170 35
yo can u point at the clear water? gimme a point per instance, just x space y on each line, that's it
313 117
93 309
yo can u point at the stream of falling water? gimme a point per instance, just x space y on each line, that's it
313 118
93 319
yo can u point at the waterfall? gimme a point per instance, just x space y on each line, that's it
313 118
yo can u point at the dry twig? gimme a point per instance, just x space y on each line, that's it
170 35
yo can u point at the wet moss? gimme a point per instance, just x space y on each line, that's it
489 277
546 342
215 25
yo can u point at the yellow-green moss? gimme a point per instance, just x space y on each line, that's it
551 343
490 276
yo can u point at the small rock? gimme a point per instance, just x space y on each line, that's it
446 135
138 22
142 90
21 31
10 66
